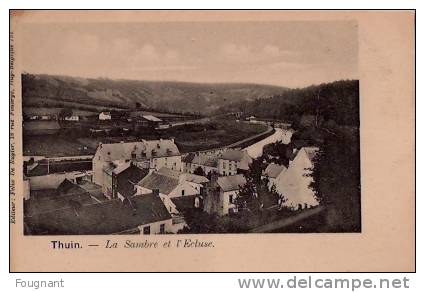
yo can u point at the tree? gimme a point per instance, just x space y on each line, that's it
247 197
199 171
336 179
199 221
64 113
256 169
280 151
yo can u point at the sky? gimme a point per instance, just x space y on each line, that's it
284 53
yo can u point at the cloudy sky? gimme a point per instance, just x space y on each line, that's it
292 54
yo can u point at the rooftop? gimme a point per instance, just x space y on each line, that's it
206 159
233 155
184 203
231 183
127 178
151 118
139 150
110 217
164 183
183 175
44 167
66 195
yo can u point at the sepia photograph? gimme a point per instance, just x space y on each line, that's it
212 140
190 127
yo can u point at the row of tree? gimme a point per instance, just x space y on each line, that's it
337 102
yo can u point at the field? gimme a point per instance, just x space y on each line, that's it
188 138
55 107
215 135
55 111
54 146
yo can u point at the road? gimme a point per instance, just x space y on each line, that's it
256 150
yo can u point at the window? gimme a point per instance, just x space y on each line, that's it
182 193
231 199
162 228
133 155
147 230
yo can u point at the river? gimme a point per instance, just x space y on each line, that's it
256 150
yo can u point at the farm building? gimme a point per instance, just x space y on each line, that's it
103 116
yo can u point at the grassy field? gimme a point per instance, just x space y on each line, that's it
54 146
87 110
221 133
55 111
188 138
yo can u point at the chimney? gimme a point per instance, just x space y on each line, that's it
100 145
155 192
122 142
172 139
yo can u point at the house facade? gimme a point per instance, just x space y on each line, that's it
232 161
171 183
274 173
221 193
153 154
173 187
206 161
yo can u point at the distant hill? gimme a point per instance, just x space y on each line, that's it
178 97
334 102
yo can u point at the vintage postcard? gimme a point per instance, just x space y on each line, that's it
212 140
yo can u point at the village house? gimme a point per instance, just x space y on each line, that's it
295 182
103 116
171 184
274 173
221 192
196 181
232 162
178 191
206 161
144 121
152 154
47 173
119 179
142 215
252 119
